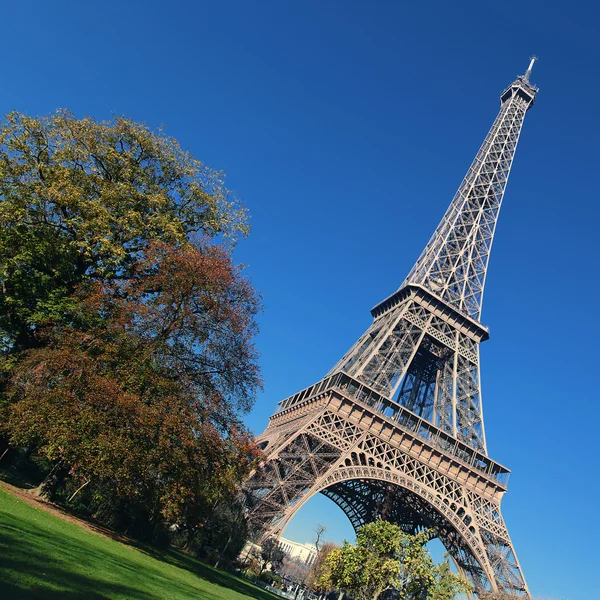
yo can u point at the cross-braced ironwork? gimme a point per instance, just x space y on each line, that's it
395 429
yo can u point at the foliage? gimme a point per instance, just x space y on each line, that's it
318 567
125 330
385 557
138 403
272 554
227 529
251 560
270 578
295 569
80 200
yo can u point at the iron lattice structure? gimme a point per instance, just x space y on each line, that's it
395 429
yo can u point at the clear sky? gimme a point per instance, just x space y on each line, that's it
346 127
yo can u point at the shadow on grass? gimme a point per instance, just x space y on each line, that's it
222 578
59 583
32 572
39 560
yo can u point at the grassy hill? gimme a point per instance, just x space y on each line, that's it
46 556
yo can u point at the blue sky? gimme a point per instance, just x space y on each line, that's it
345 128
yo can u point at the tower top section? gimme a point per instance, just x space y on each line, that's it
453 265
522 86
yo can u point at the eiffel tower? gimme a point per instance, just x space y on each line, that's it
395 429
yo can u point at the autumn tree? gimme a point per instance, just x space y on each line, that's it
385 557
126 331
318 568
80 200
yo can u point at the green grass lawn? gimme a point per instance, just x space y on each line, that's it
43 556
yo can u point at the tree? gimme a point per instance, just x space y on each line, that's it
318 568
80 200
127 407
126 331
228 528
272 554
319 530
295 569
385 557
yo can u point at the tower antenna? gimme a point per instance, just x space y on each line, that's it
528 72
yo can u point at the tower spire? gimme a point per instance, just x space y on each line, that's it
528 72
454 263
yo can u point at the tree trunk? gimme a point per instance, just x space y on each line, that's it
78 490
55 477
222 553
191 536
